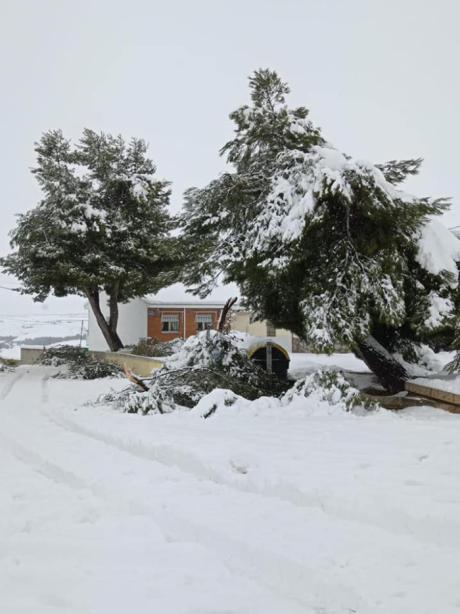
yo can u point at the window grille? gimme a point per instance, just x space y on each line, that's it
170 323
203 321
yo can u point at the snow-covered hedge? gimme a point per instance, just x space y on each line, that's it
77 363
154 347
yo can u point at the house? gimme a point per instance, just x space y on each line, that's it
172 314
166 321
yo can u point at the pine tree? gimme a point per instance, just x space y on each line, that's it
101 226
319 242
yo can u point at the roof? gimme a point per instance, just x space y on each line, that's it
190 305
178 296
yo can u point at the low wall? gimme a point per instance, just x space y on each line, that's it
141 365
30 354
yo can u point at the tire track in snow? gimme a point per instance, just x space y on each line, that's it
284 578
10 385
40 465
57 474
44 389
291 580
189 464
243 545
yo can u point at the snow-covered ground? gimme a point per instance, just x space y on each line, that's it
448 383
302 363
39 330
263 511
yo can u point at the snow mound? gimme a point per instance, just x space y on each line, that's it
322 392
330 387
438 250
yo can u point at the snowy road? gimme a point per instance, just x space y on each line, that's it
262 512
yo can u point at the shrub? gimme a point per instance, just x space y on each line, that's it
332 387
78 363
150 346
7 364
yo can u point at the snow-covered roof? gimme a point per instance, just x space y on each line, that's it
177 296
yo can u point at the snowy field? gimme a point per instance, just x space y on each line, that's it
292 511
39 330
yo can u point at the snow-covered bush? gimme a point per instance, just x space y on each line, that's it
330 386
153 347
324 391
77 363
454 365
7 365
207 361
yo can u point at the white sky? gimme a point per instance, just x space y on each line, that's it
380 77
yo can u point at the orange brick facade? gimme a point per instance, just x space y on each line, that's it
155 325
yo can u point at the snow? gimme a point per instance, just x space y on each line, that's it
46 329
178 293
303 363
448 383
304 176
260 510
428 362
438 249
439 308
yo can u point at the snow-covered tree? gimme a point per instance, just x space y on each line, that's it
102 225
321 243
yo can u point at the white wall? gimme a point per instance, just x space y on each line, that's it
132 324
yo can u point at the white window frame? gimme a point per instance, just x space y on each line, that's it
169 319
204 321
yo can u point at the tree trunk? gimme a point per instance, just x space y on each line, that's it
113 317
390 373
109 329
224 323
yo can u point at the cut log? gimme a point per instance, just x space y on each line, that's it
134 379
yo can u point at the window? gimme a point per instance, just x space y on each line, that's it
271 330
203 321
169 323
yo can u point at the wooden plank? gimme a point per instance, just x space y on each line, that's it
451 399
435 393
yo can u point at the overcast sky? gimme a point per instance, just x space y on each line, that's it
381 78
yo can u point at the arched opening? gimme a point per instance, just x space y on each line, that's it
271 357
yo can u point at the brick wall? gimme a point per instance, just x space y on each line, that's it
154 327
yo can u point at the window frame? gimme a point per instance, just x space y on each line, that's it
205 319
168 319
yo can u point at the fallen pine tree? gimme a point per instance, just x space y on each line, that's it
212 361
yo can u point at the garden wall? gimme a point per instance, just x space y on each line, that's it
141 365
